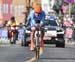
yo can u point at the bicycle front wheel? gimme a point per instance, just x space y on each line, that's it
37 52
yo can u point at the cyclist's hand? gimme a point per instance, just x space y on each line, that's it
37 25
33 28
40 25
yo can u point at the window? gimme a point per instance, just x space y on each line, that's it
5 8
21 9
0 9
51 22
18 10
11 9
15 11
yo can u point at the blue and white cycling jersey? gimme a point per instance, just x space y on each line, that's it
33 17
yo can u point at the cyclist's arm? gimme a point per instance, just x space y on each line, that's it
32 19
43 18
8 24
27 20
17 23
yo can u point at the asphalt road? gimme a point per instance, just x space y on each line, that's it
58 55
16 53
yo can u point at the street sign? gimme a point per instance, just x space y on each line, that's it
69 1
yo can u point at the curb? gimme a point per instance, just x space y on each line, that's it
6 41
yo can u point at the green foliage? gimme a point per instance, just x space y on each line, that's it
73 9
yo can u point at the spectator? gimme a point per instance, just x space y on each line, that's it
4 24
68 30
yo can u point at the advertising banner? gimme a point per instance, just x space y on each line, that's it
20 35
4 33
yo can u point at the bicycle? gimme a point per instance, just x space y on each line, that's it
12 34
37 43
37 39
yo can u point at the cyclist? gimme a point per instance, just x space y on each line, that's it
12 23
37 13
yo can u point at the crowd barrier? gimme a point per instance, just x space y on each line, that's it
4 33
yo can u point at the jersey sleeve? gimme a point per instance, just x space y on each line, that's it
43 19
32 19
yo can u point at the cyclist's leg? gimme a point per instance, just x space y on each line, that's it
41 41
32 38
41 37
17 34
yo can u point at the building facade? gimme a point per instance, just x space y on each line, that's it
10 8
1 12
15 8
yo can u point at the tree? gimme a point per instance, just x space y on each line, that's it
58 6
73 9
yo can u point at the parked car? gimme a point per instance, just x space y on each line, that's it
53 35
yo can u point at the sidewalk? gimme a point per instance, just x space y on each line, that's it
69 43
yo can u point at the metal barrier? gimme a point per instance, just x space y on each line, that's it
20 35
4 33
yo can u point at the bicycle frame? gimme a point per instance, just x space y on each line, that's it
37 43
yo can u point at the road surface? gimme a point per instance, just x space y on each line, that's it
16 53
